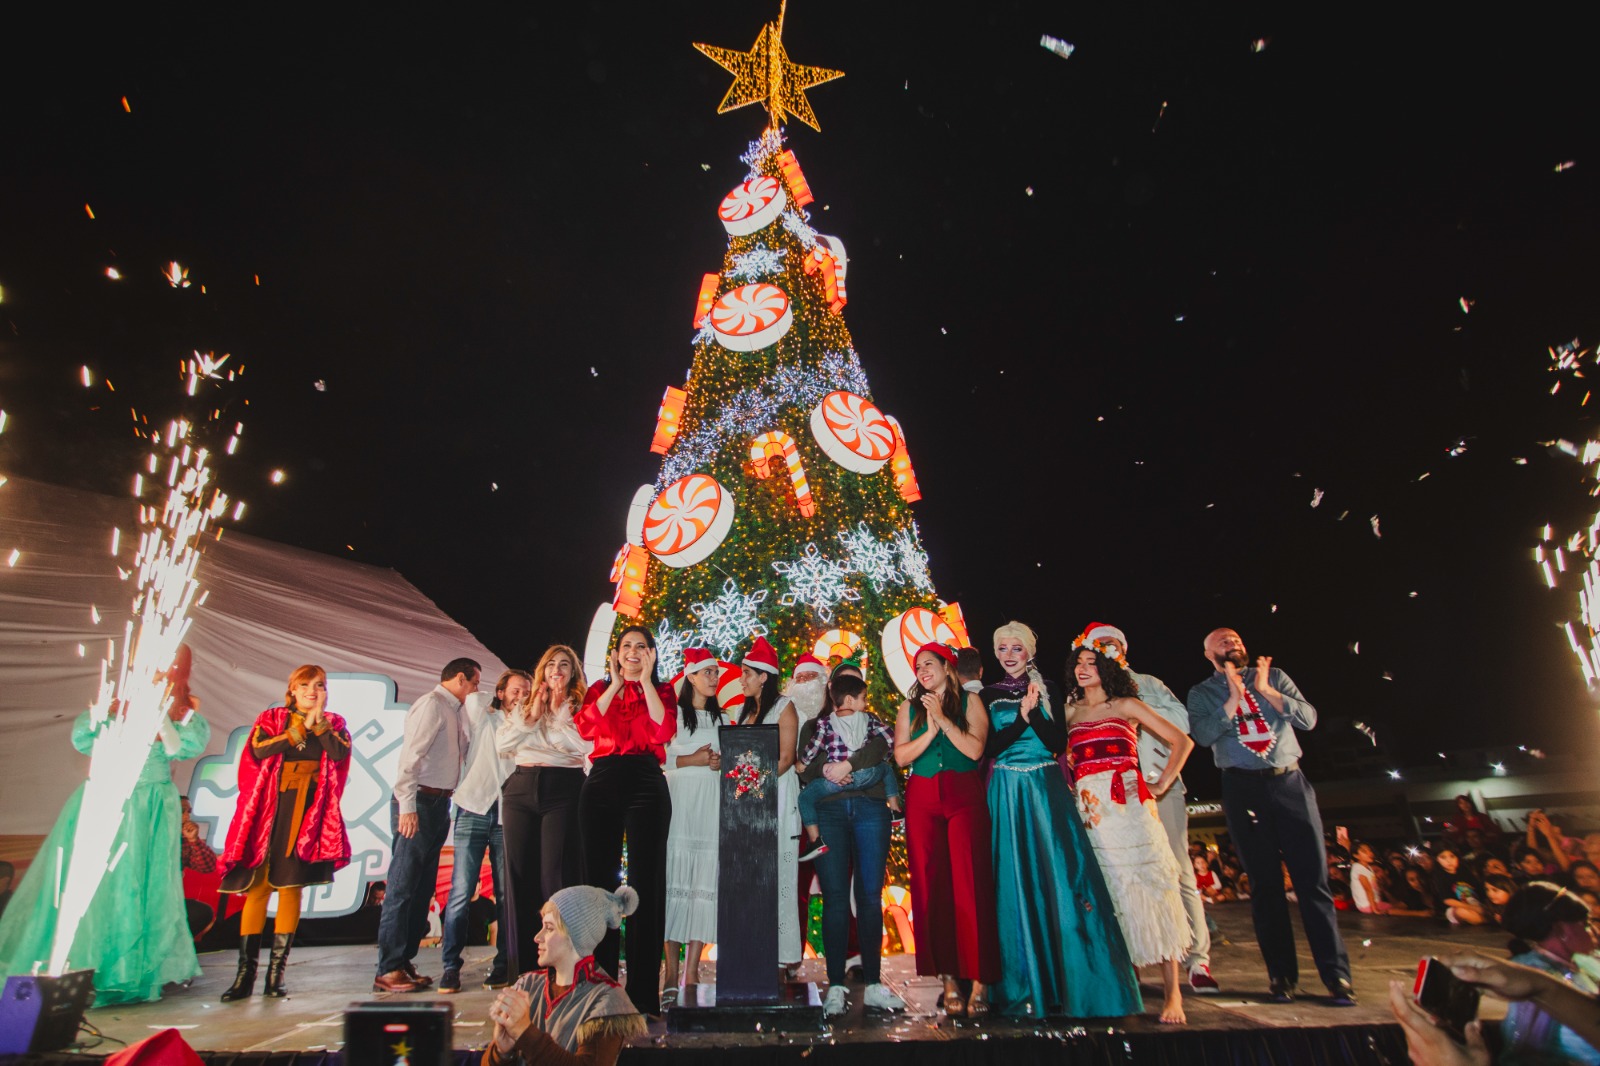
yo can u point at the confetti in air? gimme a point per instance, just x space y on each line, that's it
277 477
1568 165
320 385
133 699
1057 45
1260 44
177 276
1316 497
1467 305
1376 532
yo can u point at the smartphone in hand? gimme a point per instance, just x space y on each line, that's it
1451 1001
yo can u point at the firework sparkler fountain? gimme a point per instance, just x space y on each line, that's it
138 678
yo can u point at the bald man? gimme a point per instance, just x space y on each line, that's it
1248 716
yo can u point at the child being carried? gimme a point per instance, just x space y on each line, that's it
852 736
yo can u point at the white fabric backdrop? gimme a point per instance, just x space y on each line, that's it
271 608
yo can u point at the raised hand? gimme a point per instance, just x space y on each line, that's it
1030 701
1263 675
931 704
616 668
648 657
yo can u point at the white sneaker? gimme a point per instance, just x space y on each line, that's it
837 1002
880 998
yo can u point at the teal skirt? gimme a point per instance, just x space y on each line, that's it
1063 950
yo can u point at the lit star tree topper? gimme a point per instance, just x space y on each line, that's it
782 507
765 75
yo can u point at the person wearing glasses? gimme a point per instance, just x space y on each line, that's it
431 757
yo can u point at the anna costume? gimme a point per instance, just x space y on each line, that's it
287 831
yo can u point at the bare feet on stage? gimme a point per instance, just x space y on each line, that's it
1172 995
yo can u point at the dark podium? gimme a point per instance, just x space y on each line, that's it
748 995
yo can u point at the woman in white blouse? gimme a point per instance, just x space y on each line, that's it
539 802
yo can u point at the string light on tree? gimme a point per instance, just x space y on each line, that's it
758 262
816 581
731 619
913 559
871 558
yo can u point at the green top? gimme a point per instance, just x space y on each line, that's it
940 755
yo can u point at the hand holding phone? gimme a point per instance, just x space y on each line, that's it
1452 1002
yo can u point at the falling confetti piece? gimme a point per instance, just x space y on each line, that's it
88 210
1367 731
1568 165
86 377
1274 608
705 166
1413 595
1260 44
1316 497
1159 115
1178 318
1366 943
494 486
1387 676
1467 305
277 477
320 385
1426 474
593 372
944 331
1520 461
1375 531
15 555
1057 45
1029 190
113 273
1355 647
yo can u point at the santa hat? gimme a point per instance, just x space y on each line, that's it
697 659
809 662
943 651
762 656
1102 631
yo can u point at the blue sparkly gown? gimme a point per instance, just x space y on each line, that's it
1063 951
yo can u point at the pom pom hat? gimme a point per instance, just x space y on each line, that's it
588 912
697 659
762 656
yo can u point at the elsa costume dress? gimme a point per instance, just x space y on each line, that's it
135 934
1063 950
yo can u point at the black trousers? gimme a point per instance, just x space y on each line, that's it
544 853
1274 821
626 796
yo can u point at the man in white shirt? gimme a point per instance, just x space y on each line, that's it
431 756
1173 808
477 827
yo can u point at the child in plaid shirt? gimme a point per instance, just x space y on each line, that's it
840 737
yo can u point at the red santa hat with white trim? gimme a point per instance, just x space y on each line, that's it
762 656
1102 631
697 659
808 662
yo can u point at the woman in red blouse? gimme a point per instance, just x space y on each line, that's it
627 715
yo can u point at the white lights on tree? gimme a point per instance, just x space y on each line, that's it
688 520
817 582
913 560
853 432
872 558
758 262
751 317
731 619
670 643
752 206
905 633
795 223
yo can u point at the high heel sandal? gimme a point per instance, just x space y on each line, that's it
953 1004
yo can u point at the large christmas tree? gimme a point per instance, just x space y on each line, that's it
782 508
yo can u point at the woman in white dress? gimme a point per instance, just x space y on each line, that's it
694 760
1104 715
763 706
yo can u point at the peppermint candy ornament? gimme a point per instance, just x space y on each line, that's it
853 432
751 317
752 206
688 520
905 633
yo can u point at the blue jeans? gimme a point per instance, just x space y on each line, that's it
857 831
413 869
820 789
474 834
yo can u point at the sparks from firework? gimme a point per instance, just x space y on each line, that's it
177 276
132 703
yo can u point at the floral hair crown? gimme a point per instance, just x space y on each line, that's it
1108 648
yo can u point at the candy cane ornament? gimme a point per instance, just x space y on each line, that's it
761 450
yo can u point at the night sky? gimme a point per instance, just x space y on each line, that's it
1120 392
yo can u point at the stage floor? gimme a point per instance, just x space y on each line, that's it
324 980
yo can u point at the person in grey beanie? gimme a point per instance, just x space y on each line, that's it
571 1012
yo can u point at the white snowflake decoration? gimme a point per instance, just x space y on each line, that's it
816 581
670 643
758 262
756 155
730 619
870 557
705 335
794 220
913 560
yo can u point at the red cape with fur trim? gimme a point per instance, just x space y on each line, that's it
322 836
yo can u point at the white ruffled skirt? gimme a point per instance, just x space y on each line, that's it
1139 867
